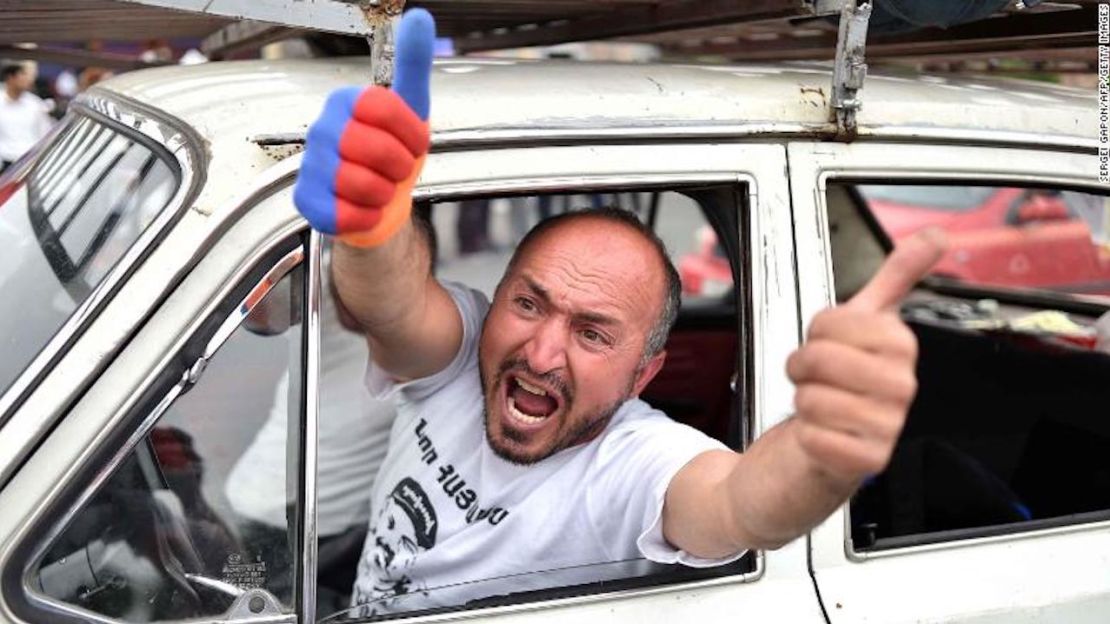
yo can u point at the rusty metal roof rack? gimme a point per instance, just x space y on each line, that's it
740 30
732 29
747 30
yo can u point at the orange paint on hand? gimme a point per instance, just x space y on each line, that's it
394 214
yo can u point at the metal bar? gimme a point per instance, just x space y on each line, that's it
240 36
850 68
309 437
636 21
328 15
1069 30
382 16
81 20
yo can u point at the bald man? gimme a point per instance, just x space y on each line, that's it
520 442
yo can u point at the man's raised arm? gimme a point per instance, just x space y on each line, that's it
362 158
854 383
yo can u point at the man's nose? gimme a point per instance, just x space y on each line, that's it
546 350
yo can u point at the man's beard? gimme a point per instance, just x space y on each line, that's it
587 428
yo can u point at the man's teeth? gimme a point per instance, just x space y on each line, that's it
521 416
527 387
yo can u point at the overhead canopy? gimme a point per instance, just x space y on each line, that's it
747 29
71 21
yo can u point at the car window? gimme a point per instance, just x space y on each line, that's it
1008 237
955 199
66 222
198 519
474 240
1007 432
476 237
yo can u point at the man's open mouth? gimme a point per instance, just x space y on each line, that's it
530 404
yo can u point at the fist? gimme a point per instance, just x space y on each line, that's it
365 151
855 375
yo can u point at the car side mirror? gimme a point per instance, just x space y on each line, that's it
1039 208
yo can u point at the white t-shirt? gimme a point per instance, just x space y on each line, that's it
447 511
23 121
353 436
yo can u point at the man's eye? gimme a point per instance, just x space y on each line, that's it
525 304
592 337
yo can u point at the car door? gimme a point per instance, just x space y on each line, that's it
988 510
136 484
125 511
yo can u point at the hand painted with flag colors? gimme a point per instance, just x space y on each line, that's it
366 150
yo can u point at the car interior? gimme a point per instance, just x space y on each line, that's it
1005 434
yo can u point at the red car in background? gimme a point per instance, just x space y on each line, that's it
997 236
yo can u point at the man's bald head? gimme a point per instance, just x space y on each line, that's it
670 298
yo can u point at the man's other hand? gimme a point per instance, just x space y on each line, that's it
855 374
365 151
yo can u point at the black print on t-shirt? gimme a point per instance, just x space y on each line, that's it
405 527
453 483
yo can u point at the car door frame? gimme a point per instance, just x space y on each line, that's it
71 456
987 579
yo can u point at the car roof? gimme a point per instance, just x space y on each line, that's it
505 99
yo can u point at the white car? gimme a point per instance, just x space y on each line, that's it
162 302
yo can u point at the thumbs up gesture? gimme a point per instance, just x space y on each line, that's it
365 152
855 375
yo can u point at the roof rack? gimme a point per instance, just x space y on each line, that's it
748 30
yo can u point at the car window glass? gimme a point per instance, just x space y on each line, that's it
695 248
474 240
1006 432
203 509
1007 237
65 223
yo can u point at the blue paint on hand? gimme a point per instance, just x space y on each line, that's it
416 39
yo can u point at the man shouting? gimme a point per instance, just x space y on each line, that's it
520 444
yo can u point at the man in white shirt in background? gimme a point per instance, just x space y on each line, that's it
23 115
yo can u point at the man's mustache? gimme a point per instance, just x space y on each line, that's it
550 379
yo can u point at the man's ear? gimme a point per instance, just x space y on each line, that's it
648 372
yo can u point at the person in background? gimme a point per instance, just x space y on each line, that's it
24 117
92 75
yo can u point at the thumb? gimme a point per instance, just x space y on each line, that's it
911 260
416 36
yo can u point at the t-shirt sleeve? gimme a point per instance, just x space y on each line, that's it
636 464
472 306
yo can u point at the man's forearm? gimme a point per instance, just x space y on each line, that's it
380 286
777 493
724 502
411 324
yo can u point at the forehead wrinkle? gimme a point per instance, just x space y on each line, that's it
591 317
567 268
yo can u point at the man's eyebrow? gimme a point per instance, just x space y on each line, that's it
589 317
595 318
536 289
